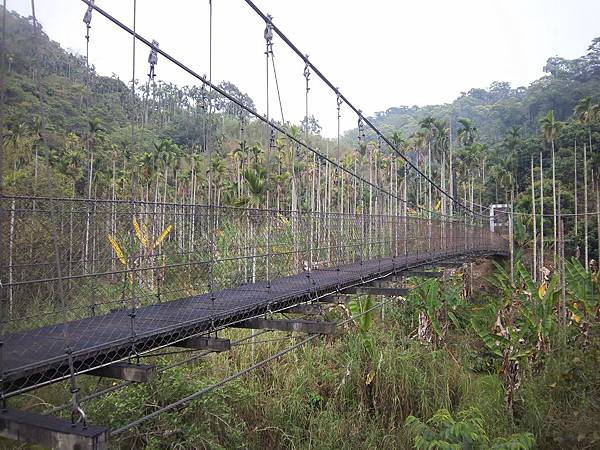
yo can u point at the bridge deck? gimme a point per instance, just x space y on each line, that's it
40 356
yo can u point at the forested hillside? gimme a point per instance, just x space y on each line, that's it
92 114
489 138
120 198
501 106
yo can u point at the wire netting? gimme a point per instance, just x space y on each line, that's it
107 280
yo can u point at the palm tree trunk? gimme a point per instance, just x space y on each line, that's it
585 209
318 210
312 214
192 202
87 220
541 211
511 238
421 198
534 264
472 195
328 211
429 175
166 182
575 187
355 185
370 202
113 218
451 174
405 210
35 171
554 228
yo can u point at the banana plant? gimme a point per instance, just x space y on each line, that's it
362 314
538 307
511 351
437 304
528 307
583 291
360 310
521 332
429 304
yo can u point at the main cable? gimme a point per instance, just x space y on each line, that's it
252 112
355 109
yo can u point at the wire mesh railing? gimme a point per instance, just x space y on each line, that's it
106 280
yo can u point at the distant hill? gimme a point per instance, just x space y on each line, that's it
499 107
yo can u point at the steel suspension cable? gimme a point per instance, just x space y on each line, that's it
340 178
252 112
2 290
277 86
87 19
50 187
356 110
268 34
132 237
211 225
306 74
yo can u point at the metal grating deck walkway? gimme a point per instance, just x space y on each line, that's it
39 356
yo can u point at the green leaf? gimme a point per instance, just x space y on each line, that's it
454 319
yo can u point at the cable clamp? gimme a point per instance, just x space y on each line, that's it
268 34
153 59
306 70
87 17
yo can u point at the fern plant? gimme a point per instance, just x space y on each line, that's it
467 432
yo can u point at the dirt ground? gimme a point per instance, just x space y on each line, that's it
476 274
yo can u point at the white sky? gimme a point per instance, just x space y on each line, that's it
380 53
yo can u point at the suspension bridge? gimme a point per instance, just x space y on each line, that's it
94 286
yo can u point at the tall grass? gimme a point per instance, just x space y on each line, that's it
351 392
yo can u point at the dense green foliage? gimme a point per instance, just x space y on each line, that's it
443 369
380 386
191 145
481 147
501 107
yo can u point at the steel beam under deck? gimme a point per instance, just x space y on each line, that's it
205 343
51 432
300 326
376 290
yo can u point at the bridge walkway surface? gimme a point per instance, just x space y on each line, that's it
41 355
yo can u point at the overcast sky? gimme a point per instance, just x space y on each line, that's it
380 53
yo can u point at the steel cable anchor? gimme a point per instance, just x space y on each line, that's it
77 413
